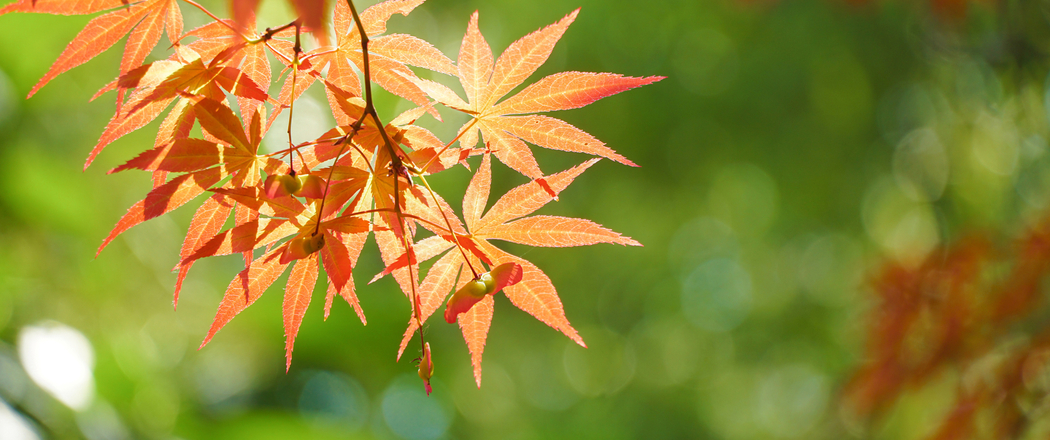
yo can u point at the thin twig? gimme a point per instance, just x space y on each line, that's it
213 17
296 50
348 139
455 238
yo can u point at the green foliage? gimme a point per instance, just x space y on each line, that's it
780 165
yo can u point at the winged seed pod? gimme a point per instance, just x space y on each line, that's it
426 367
488 283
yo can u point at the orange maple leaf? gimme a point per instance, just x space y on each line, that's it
285 217
485 83
507 221
388 56
204 162
158 84
145 21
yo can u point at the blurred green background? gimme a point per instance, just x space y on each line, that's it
794 147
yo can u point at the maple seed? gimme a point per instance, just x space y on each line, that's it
313 244
464 299
477 288
302 185
488 283
300 247
290 183
310 186
426 368
281 185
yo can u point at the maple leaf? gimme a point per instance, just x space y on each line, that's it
391 191
388 54
147 78
158 84
61 7
245 288
205 164
239 47
296 299
206 222
507 221
337 242
144 20
486 82
163 199
299 221
340 267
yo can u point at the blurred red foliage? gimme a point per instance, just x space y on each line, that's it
969 309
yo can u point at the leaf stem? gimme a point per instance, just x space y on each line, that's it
296 50
270 32
213 17
348 139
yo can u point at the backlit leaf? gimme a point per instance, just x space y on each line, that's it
296 300
245 288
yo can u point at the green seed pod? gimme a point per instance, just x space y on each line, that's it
490 282
313 243
289 183
310 186
476 288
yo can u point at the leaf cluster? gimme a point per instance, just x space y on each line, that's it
311 207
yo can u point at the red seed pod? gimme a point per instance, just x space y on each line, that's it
278 185
310 186
464 299
426 367
302 246
313 243
488 283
